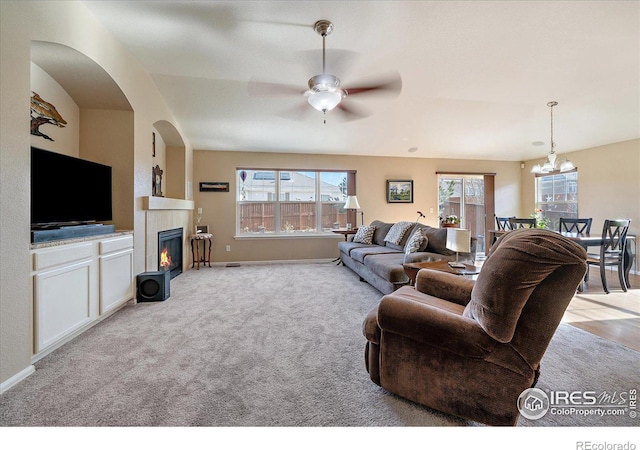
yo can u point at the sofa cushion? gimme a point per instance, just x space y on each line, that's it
388 267
359 254
415 241
364 235
382 228
397 232
437 240
346 246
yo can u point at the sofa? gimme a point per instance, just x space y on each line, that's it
473 348
378 260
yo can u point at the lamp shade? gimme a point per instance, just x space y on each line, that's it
459 240
352 202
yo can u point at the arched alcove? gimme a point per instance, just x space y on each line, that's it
105 133
170 156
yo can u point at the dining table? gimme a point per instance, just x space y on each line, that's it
586 241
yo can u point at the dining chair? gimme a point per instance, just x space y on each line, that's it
580 226
520 222
503 223
612 248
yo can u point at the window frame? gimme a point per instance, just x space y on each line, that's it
278 231
541 203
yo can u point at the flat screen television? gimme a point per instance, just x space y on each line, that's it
67 190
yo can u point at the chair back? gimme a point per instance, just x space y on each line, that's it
580 226
503 223
614 239
523 290
518 222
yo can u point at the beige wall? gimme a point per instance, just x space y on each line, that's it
15 310
175 186
608 184
106 137
65 139
67 23
219 210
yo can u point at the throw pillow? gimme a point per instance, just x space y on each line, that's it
397 231
423 230
415 241
364 235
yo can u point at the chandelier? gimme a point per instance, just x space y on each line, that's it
549 165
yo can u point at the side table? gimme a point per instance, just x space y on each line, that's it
412 269
346 234
206 258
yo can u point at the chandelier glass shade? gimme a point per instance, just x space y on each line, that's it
549 165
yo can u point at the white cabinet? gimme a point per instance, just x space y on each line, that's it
116 273
63 302
76 284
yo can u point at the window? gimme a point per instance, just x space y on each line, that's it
301 202
557 196
470 197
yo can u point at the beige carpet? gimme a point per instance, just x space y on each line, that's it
263 345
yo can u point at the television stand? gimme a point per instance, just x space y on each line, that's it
70 231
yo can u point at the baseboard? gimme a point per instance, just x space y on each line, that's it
17 378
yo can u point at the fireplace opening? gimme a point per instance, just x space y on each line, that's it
170 251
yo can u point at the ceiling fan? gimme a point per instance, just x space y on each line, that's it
325 93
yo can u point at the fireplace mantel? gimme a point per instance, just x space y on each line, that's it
164 203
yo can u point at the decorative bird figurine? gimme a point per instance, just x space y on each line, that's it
43 112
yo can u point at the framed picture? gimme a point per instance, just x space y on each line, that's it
202 229
214 186
153 145
399 191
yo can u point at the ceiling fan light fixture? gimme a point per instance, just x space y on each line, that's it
325 100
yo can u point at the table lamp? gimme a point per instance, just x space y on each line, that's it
458 240
352 203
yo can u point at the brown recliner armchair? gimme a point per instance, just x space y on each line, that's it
469 348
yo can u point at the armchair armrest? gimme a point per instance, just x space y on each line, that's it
433 326
446 286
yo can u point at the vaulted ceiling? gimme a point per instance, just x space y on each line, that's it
476 75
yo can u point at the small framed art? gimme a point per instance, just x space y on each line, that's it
399 191
214 186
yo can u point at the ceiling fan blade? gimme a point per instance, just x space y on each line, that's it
298 112
351 112
277 22
387 85
264 88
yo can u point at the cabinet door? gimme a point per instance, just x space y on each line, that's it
116 280
62 301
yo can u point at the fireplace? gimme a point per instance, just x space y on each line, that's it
170 251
